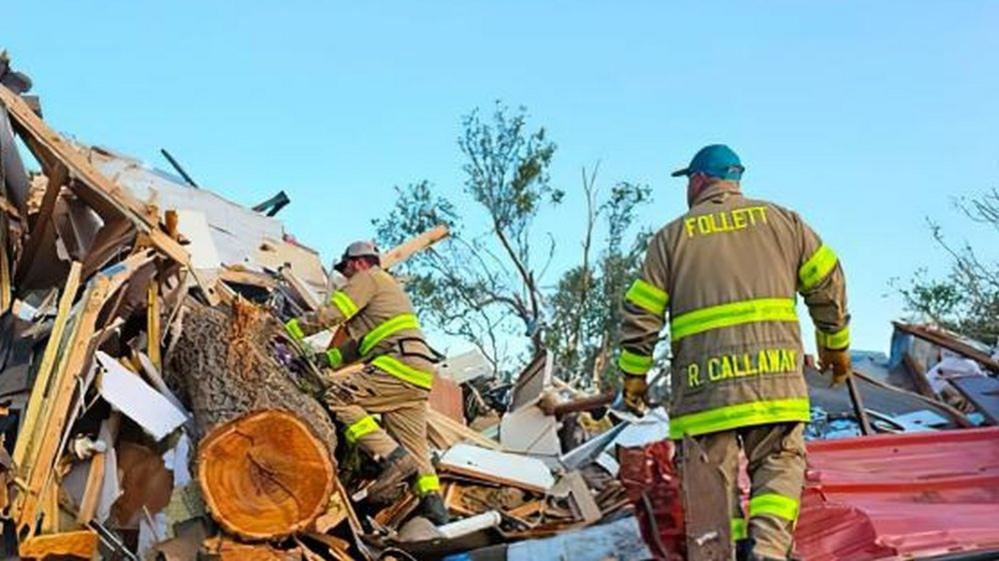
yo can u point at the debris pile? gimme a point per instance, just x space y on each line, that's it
152 408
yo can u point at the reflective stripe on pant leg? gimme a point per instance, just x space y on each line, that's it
428 483
739 529
774 505
361 428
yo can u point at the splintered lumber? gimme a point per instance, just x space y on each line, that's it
444 432
403 251
36 401
265 475
230 550
74 545
50 147
266 460
57 405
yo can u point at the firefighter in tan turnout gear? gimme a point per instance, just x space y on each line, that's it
725 274
399 370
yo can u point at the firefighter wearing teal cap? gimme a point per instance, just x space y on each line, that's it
725 277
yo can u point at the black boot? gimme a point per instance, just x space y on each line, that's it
432 508
391 484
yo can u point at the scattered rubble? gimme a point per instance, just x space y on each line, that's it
151 410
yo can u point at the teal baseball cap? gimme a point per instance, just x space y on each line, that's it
716 160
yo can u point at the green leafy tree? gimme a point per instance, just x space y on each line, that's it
967 299
484 285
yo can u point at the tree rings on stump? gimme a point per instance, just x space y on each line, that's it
265 475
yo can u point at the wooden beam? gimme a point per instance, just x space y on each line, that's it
40 474
30 125
407 249
153 324
949 342
81 544
43 219
26 436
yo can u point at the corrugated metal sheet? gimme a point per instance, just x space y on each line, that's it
906 496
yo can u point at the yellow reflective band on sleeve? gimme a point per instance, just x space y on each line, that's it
739 529
334 357
648 297
365 426
774 505
741 415
427 484
634 363
294 329
817 267
343 303
733 313
387 328
834 341
404 372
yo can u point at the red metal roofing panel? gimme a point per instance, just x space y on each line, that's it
900 496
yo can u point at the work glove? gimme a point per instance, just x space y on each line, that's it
634 392
838 361
294 330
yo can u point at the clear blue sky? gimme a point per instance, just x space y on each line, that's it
864 116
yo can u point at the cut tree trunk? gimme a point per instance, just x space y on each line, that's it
265 461
264 475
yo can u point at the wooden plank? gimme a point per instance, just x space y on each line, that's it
300 289
948 342
5 280
43 219
32 412
87 176
60 399
443 432
81 544
407 249
251 278
95 477
153 324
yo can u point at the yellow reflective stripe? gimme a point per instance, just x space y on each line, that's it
294 329
817 267
427 484
733 313
404 372
834 341
739 529
387 328
634 363
774 505
334 357
343 303
358 429
647 296
741 415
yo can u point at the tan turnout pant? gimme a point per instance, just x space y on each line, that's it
353 398
776 466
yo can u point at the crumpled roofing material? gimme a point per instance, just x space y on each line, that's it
901 496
